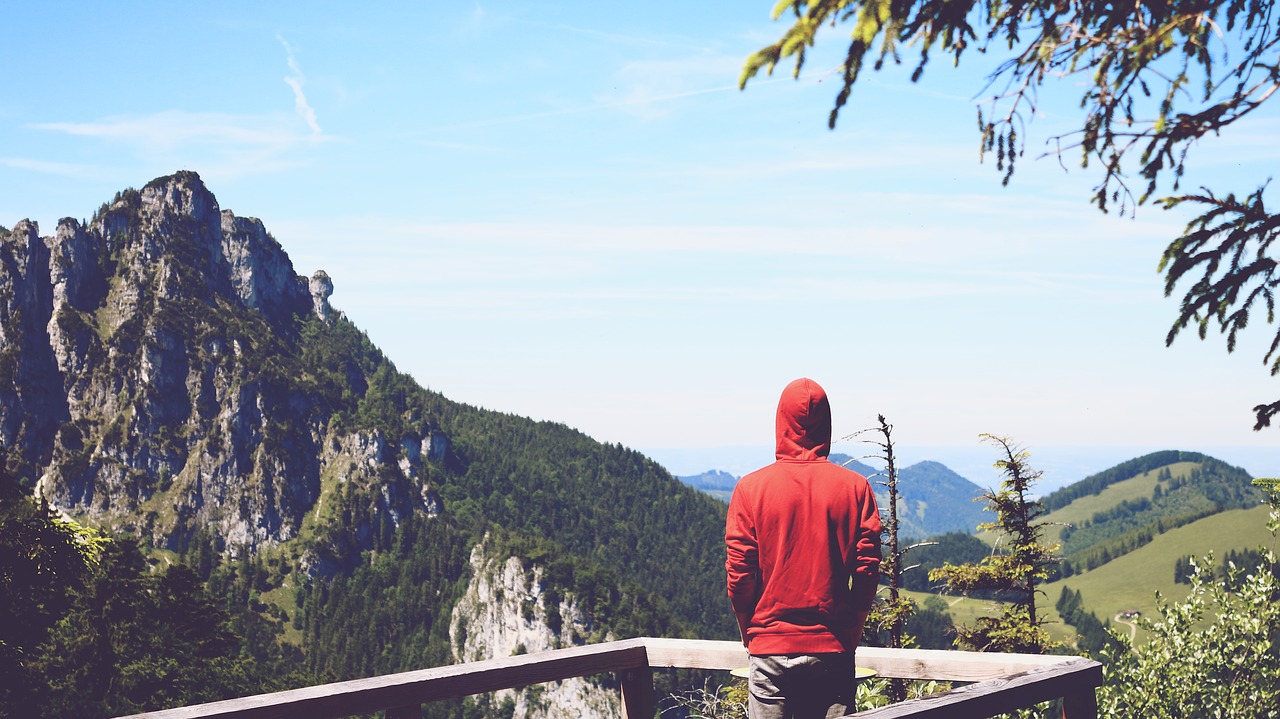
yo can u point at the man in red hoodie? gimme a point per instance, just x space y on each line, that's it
803 546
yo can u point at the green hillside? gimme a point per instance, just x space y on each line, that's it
933 499
1130 582
1123 531
963 610
1082 511
1115 512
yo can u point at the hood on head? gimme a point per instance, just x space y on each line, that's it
804 421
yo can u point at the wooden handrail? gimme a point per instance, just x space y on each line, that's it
1004 681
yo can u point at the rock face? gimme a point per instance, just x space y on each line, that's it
504 612
156 376
321 288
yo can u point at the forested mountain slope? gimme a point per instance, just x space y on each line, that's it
933 499
1115 512
165 373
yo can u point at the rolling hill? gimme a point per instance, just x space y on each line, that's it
1124 530
933 499
1112 513
1130 582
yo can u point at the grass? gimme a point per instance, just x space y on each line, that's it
284 597
963 610
1134 488
1130 582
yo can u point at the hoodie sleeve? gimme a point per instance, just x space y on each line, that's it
742 561
865 567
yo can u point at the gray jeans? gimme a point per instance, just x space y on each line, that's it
801 686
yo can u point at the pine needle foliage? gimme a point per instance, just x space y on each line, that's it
1153 79
1226 254
890 614
1016 572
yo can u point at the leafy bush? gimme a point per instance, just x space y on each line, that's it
1215 654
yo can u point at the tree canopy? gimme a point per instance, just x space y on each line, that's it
1154 78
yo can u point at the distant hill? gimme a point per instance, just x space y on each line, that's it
1130 582
1121 509
1124 533
715 482
934 500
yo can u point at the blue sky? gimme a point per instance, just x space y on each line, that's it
568 211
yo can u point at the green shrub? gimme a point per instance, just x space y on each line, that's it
1216 654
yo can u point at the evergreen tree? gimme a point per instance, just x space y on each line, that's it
135 641
892 614
1016 571
41 555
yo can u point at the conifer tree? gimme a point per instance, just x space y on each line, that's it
891 615
1020 562
41 555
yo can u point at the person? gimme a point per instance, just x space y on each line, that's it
802 541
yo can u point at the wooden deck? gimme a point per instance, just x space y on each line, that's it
1000 682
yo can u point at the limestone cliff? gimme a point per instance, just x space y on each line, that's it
505 611
154 377
165 372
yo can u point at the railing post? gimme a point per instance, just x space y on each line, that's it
1080 705
637 693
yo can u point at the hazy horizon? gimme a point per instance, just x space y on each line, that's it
570 212
1062 465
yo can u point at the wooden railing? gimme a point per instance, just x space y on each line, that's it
1001 682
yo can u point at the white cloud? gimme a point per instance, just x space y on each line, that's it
61 169
218 144
295 82
171 129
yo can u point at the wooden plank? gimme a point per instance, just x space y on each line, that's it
362 696
637 693
413 711
1072 676
924 664
695 654
949 666
1080 705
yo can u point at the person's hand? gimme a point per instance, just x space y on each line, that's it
744 620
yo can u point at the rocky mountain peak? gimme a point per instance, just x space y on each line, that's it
182 193
163 370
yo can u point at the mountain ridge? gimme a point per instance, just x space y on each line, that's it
933 500
165 373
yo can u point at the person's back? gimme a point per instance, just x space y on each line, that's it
803 558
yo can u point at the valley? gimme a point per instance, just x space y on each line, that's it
244 452
1132 523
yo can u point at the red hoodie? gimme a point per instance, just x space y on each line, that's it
802 538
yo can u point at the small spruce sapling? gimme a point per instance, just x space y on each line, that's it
1017 571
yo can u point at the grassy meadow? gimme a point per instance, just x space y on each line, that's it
1130 582
1132 489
